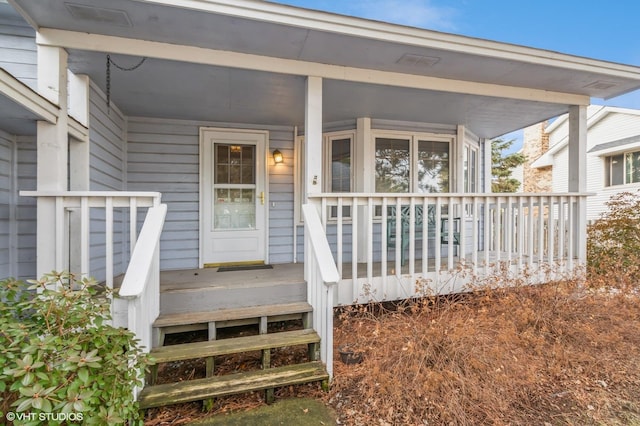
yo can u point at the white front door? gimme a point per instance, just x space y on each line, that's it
233 198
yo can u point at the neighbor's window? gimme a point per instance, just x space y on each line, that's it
623 168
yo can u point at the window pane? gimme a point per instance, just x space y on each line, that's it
474 174
633 167
617 169
392 165
433 166
341 165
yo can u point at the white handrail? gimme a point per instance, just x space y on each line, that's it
322 276
142 257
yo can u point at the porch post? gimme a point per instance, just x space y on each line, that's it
487 161
79 157
313 137
363 182
312 153
52 156
578 174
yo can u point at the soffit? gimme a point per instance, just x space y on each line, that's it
294 33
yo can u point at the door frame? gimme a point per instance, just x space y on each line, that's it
201 186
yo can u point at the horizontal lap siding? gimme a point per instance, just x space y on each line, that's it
6 203
107 161
26 208
163 155
18 51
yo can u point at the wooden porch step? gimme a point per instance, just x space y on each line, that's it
223 315
234 345
211 387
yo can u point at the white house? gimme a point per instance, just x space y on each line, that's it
613 154
141 136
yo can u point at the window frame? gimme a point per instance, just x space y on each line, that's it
327 148
414 139
609 168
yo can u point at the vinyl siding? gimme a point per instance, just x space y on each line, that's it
18 50
26 208
107 159
7 143
612 127
163 155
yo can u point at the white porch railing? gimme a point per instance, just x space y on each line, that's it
141 284
525 230
76 219
321 276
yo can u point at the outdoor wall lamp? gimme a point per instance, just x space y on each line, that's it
277 157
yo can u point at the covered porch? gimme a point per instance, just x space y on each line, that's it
385 134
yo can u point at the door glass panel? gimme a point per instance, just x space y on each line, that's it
234 201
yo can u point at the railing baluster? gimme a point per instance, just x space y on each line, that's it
399 237
369 217
475 236
60 238
385 249
438 244
339 235
541 231
109 241
551 230
354 250
571 225
425 236
519 232
84 237
133 224
412 237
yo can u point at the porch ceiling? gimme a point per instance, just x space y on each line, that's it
15 118
169 89
174 89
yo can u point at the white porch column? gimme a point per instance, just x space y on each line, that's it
52 156
578 174
486 159
313 136
79 160
363 182
458 168
312 154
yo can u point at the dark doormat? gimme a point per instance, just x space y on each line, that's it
243 268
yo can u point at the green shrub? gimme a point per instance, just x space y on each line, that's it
613 243
60 360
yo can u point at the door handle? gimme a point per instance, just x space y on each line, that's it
262 198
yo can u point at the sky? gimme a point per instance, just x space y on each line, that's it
601 30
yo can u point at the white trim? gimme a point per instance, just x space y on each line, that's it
199 55
358 27
14 89
327 155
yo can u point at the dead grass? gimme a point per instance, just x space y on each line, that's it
552 354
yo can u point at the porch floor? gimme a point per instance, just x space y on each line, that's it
289 273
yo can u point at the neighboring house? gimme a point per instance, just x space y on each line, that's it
612 155
163 117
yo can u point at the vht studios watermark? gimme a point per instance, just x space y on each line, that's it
44 417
